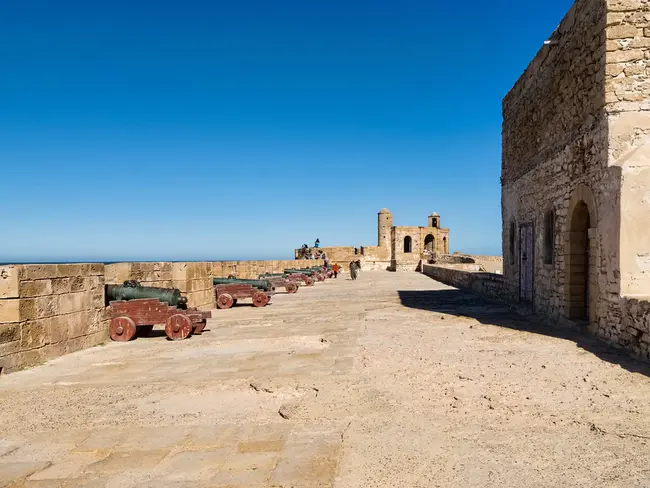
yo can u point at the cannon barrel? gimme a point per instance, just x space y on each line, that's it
170 296
261 284
273 275
307 272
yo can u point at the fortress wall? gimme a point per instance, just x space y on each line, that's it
252 269
47 310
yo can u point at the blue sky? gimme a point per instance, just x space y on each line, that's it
206 130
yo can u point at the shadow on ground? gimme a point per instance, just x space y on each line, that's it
465 304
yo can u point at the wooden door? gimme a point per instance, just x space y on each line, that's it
526 263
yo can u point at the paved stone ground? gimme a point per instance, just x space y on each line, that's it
393 380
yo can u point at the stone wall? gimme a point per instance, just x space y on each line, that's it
488 285
48 310
252 269
192 278
576 145
627 93
555 140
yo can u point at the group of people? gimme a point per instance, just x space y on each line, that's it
316 253
307 253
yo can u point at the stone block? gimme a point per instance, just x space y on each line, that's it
10 310
117 273
180 284
37 271
9 281
61 285
97 269
622 31
179 271
10 332
70 269
35 334
38 288
47 306
74 302
77 324
79 283
625 56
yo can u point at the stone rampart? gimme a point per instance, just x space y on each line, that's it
252 269
47 310
489 285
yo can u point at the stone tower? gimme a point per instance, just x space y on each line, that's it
384 226
434 220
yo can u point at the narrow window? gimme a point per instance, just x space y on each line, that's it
407 244
549 233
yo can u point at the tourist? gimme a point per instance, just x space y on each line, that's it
335 270
353 270
317 243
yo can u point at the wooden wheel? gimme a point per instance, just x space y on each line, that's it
320 277
122 329
178 326
309 282
291 288
225 300
260 299
145 330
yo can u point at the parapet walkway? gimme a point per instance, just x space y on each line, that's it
393 380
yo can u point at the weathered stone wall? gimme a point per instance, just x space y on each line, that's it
406 261
252 269
192 278
47 310
628 105
489 285
554 147
576 135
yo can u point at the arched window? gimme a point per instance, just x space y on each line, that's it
549 236
407 244
429 243
511 250
445 245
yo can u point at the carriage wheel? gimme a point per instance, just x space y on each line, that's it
309 282
145 330
320 278
260 299
291 288
122 329
225 301
178 326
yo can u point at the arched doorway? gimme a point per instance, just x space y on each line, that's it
429 243
578 273
445 246
407 244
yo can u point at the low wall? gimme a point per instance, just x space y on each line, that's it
633 330
252 269
48 310
488 285
192 278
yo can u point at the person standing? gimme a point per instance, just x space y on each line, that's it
317 243
353 270
335 270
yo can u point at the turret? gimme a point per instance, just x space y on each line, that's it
434 220
384 226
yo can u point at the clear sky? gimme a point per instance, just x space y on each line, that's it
210 129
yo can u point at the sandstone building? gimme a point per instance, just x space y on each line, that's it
576 174
399 248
